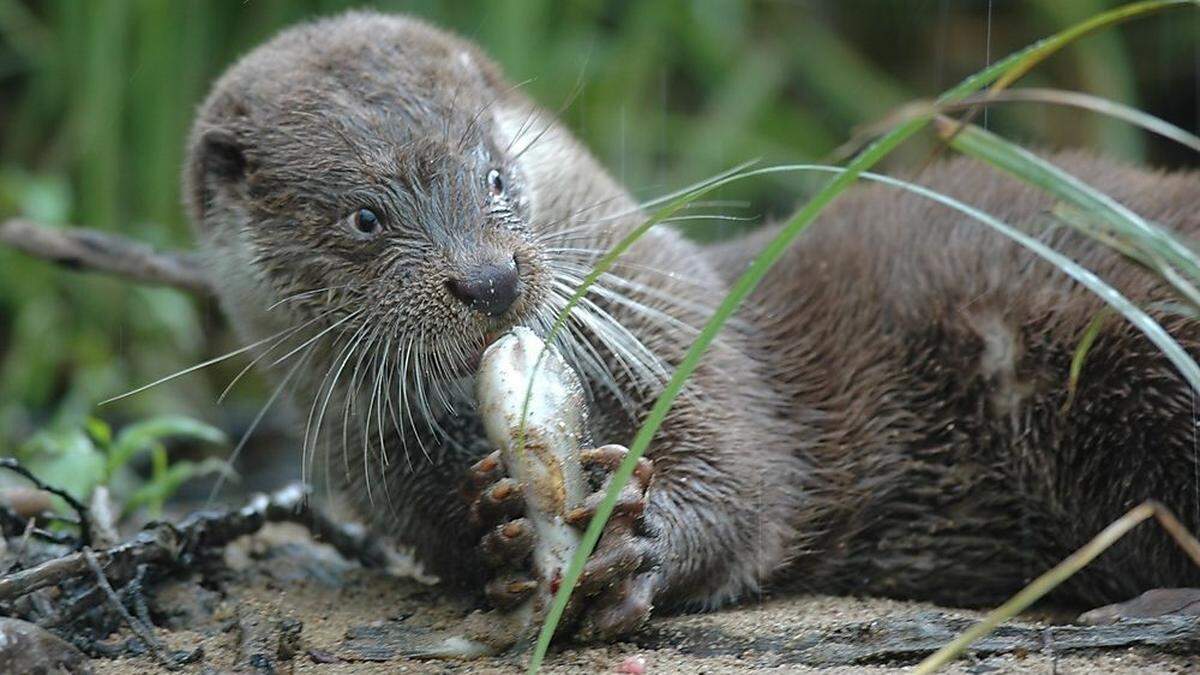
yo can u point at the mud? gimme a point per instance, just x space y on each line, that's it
286 604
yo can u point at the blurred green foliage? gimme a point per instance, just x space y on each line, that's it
96 97
78 458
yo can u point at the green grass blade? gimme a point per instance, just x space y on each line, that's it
1046 48
1079 358
1098 104
1103 65
1166 254
1174 352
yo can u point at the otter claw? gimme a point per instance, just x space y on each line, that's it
630 504
499 502
620 610
632 499
609 457
508 543
509 591
485 472
620 554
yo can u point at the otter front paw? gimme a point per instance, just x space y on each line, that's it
618 583
496 507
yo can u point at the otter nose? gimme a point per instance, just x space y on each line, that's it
490 289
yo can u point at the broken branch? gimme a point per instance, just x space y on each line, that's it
163 543
81 511
93 251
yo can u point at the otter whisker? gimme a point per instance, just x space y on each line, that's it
706 217
479 113
639 209
404 405
337 365
717 177
591 231
624 344
351 402
419 379
551 122
688 304
205 364
579 351
529 116
582 260
305 294
316 337
260 357
373 405
551 228
378 398
583 313
574 275
383 397
584 233
309 445
662 318
391 404
440 376
258 418
570 100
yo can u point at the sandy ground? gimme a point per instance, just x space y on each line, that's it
288 605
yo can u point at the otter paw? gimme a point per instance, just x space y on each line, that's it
1155 603
496 507
617 587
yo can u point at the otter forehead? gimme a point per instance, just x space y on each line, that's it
367 108
372 57
374 81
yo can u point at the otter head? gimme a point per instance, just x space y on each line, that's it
352 169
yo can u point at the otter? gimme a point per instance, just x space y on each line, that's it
889 414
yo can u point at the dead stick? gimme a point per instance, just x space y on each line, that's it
163 543
146 548
90 250
81 511
291 505
139 629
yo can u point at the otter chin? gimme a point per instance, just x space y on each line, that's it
889 414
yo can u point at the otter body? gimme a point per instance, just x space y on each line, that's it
889 414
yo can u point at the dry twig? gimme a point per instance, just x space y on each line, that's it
139 629
167 544
90 250
85 528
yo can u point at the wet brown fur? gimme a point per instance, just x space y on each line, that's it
887 416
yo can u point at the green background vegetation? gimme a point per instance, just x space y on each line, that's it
96 97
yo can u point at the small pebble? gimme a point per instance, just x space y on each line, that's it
27 648
25 501
633 665
319 656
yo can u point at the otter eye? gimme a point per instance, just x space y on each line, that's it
495 183
366 222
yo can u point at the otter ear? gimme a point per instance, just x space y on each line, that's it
218 163
223 158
